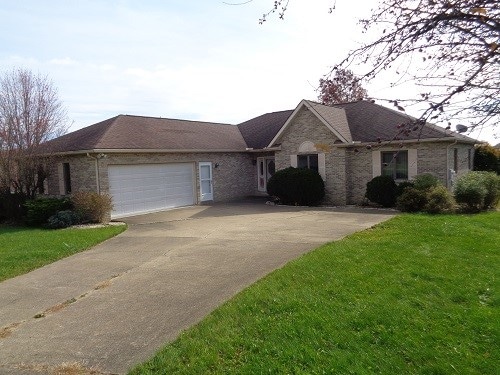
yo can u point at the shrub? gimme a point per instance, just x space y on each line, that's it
439 200
92 207
12 206
382 190
63 219
412 200
425 181
487 158
39 210
492 184
470 191
297 186
402 186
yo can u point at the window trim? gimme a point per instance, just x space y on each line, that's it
395 154
66 174
308 156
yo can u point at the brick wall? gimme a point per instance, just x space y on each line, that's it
307 127
82 171
233 178
434 158
359 172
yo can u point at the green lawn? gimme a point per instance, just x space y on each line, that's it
24 249
418 294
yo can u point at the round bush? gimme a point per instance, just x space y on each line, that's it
402 186
439 200
425 181
93 207
63 219
382 190
412 200
297 186
491 182
470 191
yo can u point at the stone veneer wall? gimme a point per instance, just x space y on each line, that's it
232 179
307 127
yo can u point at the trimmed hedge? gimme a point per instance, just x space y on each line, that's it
39 210
297 186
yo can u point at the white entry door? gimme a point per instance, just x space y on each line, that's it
206 186
265 170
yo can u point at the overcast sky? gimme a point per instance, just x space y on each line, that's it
197 60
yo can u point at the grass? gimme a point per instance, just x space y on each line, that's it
23 249
418 294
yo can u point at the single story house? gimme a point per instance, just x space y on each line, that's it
148 164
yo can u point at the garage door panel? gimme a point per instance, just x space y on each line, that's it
150 187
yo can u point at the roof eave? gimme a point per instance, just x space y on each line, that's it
406 141
144 151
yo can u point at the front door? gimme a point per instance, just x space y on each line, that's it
206 187
265 170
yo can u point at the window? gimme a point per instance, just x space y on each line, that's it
66 178
309 161
395 164
455 159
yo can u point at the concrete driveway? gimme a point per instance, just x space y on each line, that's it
115 305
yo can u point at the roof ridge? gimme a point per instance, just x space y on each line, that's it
176 119
112 121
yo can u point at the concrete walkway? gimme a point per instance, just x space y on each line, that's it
115 305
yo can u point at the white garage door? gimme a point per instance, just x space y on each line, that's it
150 187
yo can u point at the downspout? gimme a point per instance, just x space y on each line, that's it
97 179
448 169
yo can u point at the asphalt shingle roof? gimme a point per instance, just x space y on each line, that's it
361 121
369 122
143 133
259 131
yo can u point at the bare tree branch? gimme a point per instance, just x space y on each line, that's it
449 48
30 114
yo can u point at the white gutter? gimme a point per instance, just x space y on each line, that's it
141 151
397 142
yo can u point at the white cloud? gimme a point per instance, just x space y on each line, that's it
194 60
64 61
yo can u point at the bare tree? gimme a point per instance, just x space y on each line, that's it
448 48
30 114
341 87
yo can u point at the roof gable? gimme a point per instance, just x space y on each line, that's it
333 118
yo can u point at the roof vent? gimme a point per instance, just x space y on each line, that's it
461 128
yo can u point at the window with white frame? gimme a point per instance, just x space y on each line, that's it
395 164
308 161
